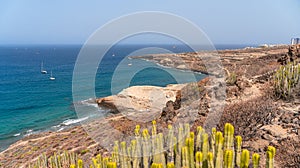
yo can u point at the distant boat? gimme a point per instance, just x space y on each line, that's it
51 77
42 69
129 64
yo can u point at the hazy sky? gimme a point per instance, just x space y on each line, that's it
73 21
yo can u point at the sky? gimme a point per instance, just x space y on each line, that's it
74 21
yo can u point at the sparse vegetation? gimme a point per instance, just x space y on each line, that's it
285 79
231 79
187 149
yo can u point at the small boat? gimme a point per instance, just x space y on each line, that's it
42 69
129 64
51 77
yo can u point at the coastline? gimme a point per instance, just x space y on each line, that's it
232 60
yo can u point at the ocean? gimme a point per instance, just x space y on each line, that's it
31 103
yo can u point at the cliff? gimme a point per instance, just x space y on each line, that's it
250 106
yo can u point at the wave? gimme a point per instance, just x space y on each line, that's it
73 121
30 132
88 102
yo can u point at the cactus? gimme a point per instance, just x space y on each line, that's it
170 165
210 160
170 145
238 146
219 149
80 164
245 159
111 165
270 157
205 149
201 151
156 165
213 140
199 159
177 154
228 159
179 145
228 135
255 160
185 157
199 138
285 79
123 155
146 148
191 149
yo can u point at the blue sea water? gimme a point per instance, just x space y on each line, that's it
31 103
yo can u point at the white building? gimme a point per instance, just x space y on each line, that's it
295 41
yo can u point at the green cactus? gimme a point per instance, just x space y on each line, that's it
238 146
199 159
180 145
146 148
255 160
111 165
123 154
170 145
195 152
270 157
170 165
205 149
245 159
156 165
210 160
228 159
199 138
191 149
228 135
185 157
213 140
80 163
285 79
177 154
219 149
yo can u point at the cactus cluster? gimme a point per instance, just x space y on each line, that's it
285 79
64 159
176 149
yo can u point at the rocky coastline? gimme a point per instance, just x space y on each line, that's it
249 105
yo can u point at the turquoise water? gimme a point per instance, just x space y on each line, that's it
31 103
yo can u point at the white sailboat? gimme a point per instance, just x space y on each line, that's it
51 77
42 69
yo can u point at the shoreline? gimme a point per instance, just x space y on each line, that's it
30 132
248 89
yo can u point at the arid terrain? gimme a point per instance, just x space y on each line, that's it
244 97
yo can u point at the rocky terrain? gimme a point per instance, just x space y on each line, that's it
245 99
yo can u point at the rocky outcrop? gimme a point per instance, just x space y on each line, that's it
142 99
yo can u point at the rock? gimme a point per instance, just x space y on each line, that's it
267 137
107 103
143 102
168 112
181 67
275 130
